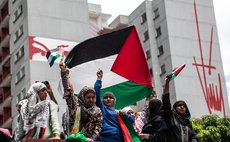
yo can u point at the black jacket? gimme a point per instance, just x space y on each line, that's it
174 121
156 126
4 138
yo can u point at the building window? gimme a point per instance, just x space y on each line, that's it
21 95
19 54
151 72
163 70
146 36
14 1
160 50
17 13
156 13
143 18
148 54
20 75
158 31
18 34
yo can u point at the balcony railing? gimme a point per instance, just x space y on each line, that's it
5 32
6 92
4 11
6 72
7 113
5 52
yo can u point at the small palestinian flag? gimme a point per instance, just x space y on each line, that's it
52 55
121 57
177 71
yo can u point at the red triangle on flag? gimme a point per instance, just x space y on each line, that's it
131 62
179 69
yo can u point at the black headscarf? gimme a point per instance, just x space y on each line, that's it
156 125
183 119
155 108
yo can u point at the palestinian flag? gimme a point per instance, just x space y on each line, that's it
129 134
177 71
52 55
121 57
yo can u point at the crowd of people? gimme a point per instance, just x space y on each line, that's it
90 117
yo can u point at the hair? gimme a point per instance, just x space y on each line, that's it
46 82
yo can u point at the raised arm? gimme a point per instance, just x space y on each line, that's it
97 88
166 98
68 92
66 82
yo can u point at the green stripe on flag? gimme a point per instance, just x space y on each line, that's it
173 76
127 93
52 59
34 132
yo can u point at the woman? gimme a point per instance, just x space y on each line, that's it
177 119
84 115
111 131
155 129
38 117
5 135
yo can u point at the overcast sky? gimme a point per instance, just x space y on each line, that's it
221 7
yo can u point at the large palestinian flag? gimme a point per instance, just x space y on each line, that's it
121 57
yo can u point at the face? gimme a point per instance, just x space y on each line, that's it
108 101
137 114
181 109
130 112
90 99
42 94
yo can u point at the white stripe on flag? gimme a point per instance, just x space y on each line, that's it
52 55
85 74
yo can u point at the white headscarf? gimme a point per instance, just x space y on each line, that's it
34 112
32 93
127 109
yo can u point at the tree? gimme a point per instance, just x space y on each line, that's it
211 128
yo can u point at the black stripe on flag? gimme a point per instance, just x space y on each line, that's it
97 47
48 54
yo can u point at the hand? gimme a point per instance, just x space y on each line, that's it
144 136
120 112
99 74
89 140
168 77
62 65
166 86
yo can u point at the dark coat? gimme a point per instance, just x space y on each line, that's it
156 125
4 137
174 121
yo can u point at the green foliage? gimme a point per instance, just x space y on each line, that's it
211 128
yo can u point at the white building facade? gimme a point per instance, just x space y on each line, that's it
35 27
184 32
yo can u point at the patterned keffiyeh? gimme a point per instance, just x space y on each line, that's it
34 113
